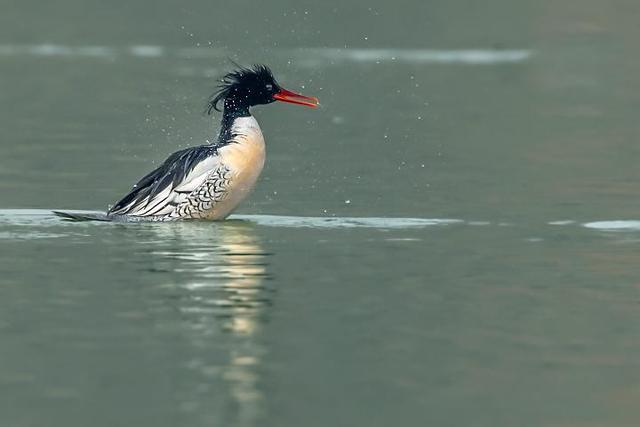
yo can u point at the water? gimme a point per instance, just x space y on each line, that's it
451 240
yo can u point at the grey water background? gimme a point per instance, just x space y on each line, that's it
452 240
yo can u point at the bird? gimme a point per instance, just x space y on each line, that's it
208 182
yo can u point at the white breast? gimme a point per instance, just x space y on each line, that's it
245 158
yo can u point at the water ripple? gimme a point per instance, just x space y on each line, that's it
44 217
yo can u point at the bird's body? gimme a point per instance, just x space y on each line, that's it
209 181
205 182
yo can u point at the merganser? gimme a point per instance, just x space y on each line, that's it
209 181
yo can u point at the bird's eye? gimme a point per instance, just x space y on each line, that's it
269 86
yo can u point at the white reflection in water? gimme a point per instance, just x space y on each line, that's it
614 225
221 286
321 56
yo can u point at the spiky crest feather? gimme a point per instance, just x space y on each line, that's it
234 80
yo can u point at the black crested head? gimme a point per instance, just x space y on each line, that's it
244 87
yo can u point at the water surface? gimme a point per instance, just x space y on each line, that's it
451 240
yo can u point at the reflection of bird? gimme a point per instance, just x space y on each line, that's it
218 281
209 181
221 276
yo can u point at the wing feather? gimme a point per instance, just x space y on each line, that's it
158 192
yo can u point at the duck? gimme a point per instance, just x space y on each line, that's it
208 182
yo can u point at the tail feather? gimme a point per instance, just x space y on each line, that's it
83 216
